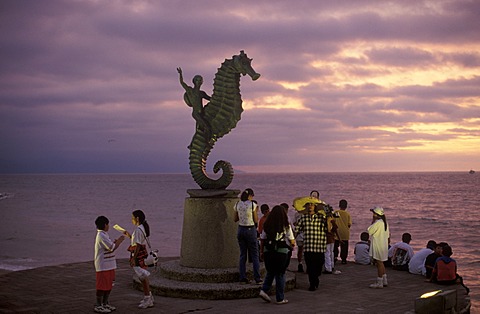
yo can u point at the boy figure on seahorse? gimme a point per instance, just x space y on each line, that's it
193 97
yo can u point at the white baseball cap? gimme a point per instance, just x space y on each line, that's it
378 210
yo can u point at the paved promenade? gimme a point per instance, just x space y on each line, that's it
70 288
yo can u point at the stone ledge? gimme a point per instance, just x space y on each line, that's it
195 283
174 271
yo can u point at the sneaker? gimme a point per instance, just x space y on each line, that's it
146 303
264 296
109 307
244 281
284 301
100 309
300 268
378 284
259 282
337 272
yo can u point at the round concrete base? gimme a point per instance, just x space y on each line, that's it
173 280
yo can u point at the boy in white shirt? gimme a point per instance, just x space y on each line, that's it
105 264
362 250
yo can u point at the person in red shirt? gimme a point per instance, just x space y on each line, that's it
265 210
445 269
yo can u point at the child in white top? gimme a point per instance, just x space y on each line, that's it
138 254
105 264
362 250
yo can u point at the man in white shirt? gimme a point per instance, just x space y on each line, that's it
401 253
417 263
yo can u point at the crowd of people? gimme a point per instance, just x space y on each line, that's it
320 234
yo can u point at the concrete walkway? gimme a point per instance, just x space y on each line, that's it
70 288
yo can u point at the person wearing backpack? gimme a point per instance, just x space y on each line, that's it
276 241
401 253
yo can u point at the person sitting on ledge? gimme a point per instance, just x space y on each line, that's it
432 258
417 263
401 253
445 269
362 250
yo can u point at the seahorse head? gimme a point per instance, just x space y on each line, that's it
243 65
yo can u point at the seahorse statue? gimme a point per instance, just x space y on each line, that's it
220 115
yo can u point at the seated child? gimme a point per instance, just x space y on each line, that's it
445 269
362 248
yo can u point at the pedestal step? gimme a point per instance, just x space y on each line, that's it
174 271
173 280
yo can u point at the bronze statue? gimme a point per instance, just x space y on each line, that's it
193 97
217 118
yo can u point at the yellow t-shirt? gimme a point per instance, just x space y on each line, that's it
344 222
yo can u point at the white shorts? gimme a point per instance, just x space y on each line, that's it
140 272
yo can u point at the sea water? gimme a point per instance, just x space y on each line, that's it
49 219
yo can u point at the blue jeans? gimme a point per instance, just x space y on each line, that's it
275 263
247 241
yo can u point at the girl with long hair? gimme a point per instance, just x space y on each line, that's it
379 235
138 253
276 240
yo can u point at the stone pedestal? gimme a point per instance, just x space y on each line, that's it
209 256
209 236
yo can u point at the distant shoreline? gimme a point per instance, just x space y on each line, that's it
4 271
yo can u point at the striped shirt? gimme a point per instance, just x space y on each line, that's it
104 258
314 228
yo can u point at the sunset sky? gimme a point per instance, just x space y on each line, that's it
92 86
